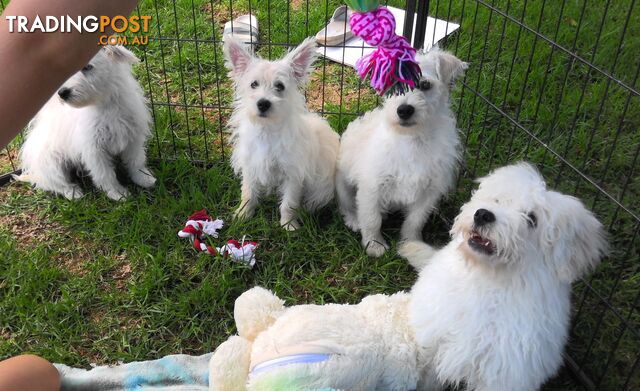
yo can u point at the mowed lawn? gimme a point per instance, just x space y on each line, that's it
94 281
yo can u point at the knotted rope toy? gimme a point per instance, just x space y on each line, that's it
197 227
200 225
392 66
243 251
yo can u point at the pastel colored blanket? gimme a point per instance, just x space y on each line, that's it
171 373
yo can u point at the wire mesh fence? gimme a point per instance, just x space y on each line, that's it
552 82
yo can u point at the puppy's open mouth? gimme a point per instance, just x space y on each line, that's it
262 115
480 243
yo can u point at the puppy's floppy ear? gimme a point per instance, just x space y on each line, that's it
119 53
237 58
448 67
575 239
301 58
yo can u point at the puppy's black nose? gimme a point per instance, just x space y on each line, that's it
405 111
482 217
64 93
263 105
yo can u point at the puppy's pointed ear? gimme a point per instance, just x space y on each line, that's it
237 58
575 238
448 67
301 58
119 53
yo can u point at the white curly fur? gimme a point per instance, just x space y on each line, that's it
387 163
104 115
495 322
371 346
498 320
286 149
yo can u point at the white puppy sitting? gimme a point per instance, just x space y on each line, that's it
491 309
278 145
402 156
99 113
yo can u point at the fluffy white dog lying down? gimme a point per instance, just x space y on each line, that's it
99 113
489 310
402 156
278 145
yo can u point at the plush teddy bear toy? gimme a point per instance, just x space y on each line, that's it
367 346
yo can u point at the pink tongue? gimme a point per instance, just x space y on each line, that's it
480 240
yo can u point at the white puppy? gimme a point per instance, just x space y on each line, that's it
278 145
402 156
99 113
491 309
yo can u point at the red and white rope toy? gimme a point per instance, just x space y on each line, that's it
200 225
240 251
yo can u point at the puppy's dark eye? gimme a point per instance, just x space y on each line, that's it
254 84
279 86
532 219
87 68
424 85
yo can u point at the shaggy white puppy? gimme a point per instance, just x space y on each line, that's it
402 156
491 309
99 113
278 145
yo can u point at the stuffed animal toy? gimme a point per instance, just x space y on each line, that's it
314 347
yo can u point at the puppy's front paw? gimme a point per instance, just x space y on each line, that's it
417 253
375 247
118 194
243 213
352 223
144 178
290 225
72 193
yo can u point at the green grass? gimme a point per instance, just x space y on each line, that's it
97 281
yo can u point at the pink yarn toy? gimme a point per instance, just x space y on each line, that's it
392 66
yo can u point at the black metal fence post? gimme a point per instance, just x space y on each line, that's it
408 19
422 8
421 24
